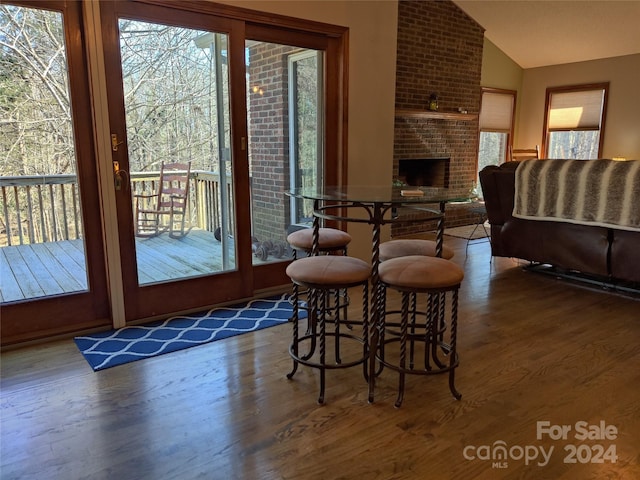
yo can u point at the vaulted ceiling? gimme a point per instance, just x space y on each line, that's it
536 33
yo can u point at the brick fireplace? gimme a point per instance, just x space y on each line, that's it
439 52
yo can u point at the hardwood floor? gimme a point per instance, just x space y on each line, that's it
532 349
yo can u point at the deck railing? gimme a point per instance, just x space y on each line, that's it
46 208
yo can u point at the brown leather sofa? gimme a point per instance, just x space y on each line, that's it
592 250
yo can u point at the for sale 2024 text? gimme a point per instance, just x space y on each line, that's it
597 448
581 431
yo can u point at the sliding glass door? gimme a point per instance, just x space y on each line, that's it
176 97
173 159
52 271
286 149
178 158
241 109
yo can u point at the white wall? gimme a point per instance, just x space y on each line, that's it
499 71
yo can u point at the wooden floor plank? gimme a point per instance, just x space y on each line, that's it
41 267
160 259
53 262
73 268
206 251
532 348
10 290
174 267
75 249
182 254
148 271
21 271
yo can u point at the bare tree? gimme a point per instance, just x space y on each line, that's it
35 125
170 113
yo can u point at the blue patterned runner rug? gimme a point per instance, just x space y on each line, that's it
108 349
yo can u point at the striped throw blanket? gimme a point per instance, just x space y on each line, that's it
589 192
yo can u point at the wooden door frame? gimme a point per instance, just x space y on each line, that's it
142 302
49 316
104 243
235 22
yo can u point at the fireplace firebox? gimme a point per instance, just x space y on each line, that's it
424 172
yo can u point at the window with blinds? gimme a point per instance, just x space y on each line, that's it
574 121
497 112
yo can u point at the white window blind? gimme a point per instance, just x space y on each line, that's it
573 110
496 111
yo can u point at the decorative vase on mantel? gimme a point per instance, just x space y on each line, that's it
433 102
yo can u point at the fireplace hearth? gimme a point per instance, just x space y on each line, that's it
424 172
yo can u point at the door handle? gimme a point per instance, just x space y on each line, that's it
114 142
119 176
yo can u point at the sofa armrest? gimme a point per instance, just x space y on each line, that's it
498 187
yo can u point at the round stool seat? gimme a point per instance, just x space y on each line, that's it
405 247
328 238
329 270
420 273
435 340
324 275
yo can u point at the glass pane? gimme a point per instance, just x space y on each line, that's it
304 97
492 151
41 233
176 93
581 145
285 147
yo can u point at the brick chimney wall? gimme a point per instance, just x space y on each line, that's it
269 139
439 51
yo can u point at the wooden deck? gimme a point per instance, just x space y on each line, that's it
163 258
42 269
55 268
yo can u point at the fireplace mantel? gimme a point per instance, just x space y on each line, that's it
415 113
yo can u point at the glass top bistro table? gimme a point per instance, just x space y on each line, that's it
377 205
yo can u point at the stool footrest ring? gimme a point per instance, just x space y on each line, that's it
304 360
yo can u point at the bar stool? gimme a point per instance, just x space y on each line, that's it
329 240
323 275
436 277
404 247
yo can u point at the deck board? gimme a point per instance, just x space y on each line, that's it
29 286
54 268
75 249
175 268
43 268
10 286
55 265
